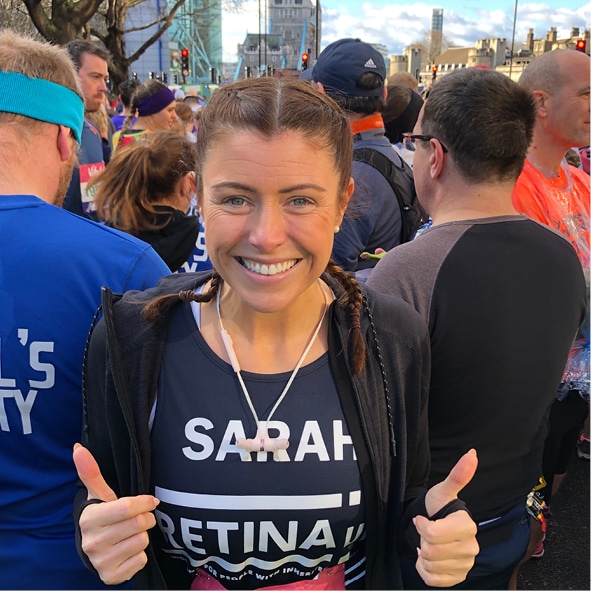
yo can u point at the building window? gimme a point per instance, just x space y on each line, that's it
278 1
298 2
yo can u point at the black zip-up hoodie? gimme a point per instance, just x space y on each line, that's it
385 409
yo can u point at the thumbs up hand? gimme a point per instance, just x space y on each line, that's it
114 533
448 545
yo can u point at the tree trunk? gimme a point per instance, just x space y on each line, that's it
66 21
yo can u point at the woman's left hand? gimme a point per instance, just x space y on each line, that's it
448 545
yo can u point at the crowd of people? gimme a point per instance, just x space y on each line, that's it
317 333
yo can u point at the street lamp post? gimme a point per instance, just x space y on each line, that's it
259 36
266 36
513 40
317 47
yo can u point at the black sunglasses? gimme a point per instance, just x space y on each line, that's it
408 140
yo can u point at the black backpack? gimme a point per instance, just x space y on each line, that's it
402 182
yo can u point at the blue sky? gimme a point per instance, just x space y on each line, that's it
397 23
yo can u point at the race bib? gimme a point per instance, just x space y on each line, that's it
87 195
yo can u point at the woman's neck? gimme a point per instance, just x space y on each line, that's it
141 124
268 342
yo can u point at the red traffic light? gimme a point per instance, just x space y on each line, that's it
434 69
305 57
185 52
581 45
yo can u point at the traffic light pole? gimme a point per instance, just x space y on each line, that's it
185 71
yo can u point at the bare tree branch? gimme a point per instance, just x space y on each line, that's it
166 22
62 21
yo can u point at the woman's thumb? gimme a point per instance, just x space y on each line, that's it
90 475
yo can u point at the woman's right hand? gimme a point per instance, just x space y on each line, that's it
115 532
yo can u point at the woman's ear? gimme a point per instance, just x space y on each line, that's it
187 185
191 176
344 201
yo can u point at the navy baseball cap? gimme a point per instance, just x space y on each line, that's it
342 63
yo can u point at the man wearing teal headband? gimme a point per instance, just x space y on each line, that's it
52 267
90 61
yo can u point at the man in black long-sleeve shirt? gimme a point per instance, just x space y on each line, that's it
503 297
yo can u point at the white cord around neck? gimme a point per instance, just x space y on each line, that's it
262 441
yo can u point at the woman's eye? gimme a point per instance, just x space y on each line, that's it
236 201
300 201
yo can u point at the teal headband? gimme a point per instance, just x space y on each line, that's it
43 100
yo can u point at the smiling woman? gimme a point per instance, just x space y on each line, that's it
274 408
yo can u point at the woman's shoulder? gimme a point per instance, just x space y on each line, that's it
126 311
393 315
389 307
386 314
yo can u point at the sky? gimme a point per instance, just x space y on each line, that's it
396 23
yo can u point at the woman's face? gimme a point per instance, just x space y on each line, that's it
164 119
270 207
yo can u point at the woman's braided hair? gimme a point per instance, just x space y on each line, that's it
270 107
351 299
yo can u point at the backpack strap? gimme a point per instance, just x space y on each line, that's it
406 200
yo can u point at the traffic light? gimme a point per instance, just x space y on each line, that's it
581 45
212 75
184 61
247 72
434 75
305 58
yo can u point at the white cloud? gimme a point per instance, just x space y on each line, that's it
398 25
235 26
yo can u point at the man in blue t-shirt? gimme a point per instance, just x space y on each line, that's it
52 266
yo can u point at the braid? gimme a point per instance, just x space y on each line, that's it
154 308
126 123
352 299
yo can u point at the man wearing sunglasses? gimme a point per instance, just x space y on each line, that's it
503 297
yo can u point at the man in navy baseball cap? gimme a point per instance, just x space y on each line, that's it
341 64
353 74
